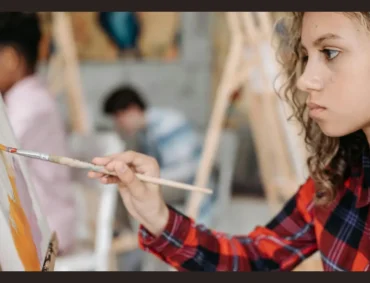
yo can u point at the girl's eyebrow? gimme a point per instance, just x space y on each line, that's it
322 38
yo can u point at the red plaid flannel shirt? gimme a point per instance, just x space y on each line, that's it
341 234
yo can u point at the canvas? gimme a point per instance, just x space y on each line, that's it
25 234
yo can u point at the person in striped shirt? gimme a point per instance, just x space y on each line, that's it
162 133
327 71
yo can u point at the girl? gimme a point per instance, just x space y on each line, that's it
328 71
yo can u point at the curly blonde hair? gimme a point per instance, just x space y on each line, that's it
330 158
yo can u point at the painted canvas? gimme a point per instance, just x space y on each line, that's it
111 36
25 234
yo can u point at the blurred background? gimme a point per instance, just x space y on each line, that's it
174 61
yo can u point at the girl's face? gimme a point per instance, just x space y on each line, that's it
336 51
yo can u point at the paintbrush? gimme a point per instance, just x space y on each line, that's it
96 168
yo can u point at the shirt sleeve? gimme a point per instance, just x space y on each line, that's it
282 244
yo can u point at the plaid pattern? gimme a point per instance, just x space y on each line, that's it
340 232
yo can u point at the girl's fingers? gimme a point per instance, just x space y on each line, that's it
95 175
110 180
138 162
104 160
129 180
105 179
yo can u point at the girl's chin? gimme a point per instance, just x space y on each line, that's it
335 130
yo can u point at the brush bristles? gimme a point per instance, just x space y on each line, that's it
7 148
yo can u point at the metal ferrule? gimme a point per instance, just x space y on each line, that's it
33 154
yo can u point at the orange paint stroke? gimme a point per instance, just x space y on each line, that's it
20 227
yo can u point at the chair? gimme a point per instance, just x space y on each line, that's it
96 208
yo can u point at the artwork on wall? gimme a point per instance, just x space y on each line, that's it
108 36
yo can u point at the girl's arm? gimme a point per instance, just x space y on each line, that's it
288 239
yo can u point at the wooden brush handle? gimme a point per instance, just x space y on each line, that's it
89 166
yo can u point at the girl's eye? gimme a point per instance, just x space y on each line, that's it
330 53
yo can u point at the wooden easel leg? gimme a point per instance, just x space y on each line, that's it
51 254
113 262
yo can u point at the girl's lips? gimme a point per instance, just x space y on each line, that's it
316 110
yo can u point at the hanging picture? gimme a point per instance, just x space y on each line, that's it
108 36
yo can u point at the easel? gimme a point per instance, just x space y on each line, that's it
230 80
51 254
64 64
284 164
261 101
280 152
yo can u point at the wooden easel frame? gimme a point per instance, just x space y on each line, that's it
51 254
283 177
230 80
263 108
64 64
